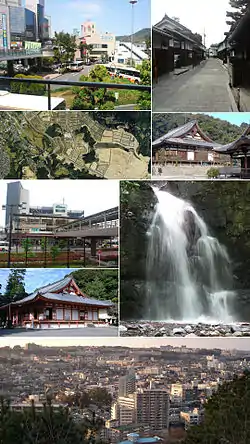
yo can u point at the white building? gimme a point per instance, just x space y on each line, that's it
123 53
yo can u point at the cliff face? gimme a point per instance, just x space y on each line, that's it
224 206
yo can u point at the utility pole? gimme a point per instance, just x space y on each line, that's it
133 3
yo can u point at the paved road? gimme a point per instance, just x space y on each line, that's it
72 76
204 88
89 332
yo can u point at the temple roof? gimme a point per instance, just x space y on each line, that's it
185 135
230 148
59 291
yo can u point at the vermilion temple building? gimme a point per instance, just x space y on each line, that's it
189 145
61 304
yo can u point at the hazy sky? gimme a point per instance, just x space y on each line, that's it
197 15
36 278
110 15
223 343
91 196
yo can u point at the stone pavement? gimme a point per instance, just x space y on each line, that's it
204 88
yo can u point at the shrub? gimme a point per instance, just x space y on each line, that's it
213 173
28 88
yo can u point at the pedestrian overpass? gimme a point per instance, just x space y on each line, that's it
12 55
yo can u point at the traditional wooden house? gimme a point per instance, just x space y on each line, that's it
186 144
61 304
239 153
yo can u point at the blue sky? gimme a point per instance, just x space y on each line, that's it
36 278
109 15
235 118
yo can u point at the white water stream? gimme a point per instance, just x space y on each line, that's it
188 271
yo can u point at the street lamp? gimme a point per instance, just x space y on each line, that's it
133 3
11 206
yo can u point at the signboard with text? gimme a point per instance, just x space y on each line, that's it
32 45
4 31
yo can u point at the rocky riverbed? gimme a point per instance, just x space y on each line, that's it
165 329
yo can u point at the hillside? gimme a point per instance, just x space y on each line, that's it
139 36
218 130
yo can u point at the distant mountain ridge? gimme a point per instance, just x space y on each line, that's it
138 37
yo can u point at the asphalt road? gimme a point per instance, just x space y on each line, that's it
89 332
72 76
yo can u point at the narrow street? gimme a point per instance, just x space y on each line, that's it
204 88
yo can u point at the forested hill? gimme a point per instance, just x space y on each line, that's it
139 36
218 130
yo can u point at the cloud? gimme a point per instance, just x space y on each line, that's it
92 8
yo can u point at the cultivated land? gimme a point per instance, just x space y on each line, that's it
48 145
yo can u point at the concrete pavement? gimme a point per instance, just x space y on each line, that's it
90 332
71 76
204 88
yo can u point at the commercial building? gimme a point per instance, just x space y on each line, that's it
102 44
61 304
4 27
152 408
38 8
17 18
31 219
123 53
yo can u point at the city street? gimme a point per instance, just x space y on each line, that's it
72 76
89 332
204 88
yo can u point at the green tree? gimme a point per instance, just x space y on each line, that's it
15 288
240 7
144 99
91 98
55 252
100 396
213 173
65 47
49 426
100 284
227 415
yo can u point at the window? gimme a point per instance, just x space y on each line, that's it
83 315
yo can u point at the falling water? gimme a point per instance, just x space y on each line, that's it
188 271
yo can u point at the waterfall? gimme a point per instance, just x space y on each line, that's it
189 275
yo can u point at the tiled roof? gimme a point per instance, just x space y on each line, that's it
65 297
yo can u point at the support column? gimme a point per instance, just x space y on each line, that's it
68 253
10 68
45 252
93 247
84 252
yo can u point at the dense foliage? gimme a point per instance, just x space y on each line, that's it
227 415
100 284
49 426
138 124
64 47
218 130
92 98
15 288
239 9
28 88
144 99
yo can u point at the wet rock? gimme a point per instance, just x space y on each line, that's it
237 334
179 332
188 329
192 335
122 328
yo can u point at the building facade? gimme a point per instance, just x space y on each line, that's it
102 44
152 408
61 304
38 8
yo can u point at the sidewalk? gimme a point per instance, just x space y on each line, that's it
204 88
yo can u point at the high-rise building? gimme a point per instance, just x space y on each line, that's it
16 196
48 30
17 24
11 2
30 21
31 219
127 384
38 7
124 410
152 408
4 26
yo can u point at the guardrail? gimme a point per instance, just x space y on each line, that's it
20 53
93 85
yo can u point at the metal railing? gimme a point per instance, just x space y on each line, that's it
93 85
20 53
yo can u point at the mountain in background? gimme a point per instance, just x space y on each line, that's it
218 130
138 37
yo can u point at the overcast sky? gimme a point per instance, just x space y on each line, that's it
196 15
91 196
223 343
